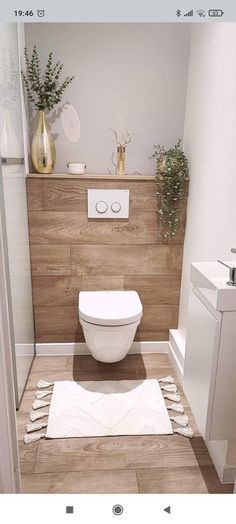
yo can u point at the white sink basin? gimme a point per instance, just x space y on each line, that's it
211 279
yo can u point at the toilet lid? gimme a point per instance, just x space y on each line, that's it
110 308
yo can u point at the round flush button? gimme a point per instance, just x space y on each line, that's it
115 207
101 206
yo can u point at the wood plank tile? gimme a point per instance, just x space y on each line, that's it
23 414
64 319
85 482
64 290
87 454
212 481
64 195
64 227
88 363
103 251
58 338
198 446
70 195
50 260
78 375
34 194
155 289
50 375
158 317
111 374
60 319
149 336
156 360
78 337
27 454
54 363
27 457
109 260
163 463
156 365
171 480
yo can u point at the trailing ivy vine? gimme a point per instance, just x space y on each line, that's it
171 173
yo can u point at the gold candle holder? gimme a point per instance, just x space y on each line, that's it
120 170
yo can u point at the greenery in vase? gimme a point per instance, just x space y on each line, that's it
171 172
44 89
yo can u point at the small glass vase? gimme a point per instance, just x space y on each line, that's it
120 168
43 148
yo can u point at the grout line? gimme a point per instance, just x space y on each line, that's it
136 473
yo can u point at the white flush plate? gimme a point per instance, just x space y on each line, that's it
108 203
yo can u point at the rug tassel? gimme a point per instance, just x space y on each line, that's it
35 416
172 396
40 404
35 427
168 379
182 420
186 432
33 438
179 408
44 384
171 388
42 394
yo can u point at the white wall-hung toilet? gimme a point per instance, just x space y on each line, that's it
109 320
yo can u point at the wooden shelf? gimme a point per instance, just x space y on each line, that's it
93 176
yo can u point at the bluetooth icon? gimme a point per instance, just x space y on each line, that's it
178 12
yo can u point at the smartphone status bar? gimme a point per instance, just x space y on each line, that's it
112 11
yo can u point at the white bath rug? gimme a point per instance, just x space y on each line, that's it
103 408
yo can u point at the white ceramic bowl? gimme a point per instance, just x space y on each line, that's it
76 168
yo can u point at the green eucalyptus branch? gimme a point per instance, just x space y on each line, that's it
44 90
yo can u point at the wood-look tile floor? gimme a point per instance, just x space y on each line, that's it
132 464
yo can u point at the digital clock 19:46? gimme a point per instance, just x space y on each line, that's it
24 13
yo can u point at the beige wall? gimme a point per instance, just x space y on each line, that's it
131 76
210 145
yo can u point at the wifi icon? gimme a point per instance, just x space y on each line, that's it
189 13
201 12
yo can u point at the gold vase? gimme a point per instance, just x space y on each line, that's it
120 169
43 149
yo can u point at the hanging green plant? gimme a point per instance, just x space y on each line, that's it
171 173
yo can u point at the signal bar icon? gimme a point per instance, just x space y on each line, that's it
189 13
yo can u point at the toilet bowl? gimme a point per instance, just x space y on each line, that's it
109 320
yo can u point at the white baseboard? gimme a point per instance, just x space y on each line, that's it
80 348
177 353
24 350
226 472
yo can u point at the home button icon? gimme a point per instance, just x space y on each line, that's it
117 509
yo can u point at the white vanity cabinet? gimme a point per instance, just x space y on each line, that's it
210 363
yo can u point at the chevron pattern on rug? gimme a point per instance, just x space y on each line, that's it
104 408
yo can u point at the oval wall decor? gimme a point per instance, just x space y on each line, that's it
70 122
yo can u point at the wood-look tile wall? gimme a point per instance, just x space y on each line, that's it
70 253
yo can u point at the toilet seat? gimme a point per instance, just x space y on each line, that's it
110 308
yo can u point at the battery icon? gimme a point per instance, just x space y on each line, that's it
215 12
